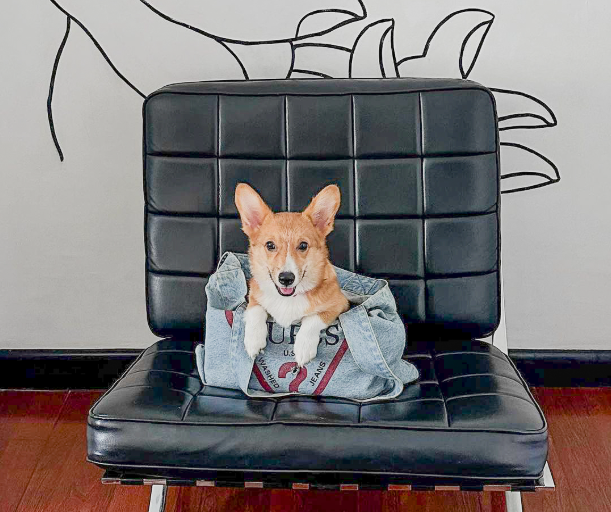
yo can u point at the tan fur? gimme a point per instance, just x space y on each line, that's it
327 300
317 280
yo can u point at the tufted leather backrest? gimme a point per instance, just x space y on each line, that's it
416 161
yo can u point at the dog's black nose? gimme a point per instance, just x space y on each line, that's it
286 278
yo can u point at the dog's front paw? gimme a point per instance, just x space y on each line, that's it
255 331
306 347
254 345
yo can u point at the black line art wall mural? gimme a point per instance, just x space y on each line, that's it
308 39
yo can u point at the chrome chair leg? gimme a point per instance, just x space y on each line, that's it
514 501
158 495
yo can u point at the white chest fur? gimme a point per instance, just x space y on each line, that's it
285 310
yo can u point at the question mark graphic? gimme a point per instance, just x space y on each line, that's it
299 378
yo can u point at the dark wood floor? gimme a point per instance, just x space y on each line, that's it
43 468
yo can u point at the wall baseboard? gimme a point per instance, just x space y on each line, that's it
98 369
564 368
63 369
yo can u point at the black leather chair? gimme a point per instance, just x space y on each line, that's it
417 162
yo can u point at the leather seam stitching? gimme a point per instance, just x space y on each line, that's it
307 471
541 431
462 397
149 370
483 374
156 387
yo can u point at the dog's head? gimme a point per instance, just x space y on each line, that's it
288 251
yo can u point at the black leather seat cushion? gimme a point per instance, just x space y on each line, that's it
470 415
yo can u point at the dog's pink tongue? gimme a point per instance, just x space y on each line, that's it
286 291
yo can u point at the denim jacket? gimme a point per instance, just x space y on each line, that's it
359 355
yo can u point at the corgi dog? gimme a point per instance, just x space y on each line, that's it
292 277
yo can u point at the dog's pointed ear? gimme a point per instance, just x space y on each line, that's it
251 207
322 209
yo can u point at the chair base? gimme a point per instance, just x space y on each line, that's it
319 482
513 499
513 491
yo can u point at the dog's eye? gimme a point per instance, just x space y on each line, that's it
303 246
271 246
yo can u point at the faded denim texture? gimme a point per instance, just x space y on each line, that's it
359 355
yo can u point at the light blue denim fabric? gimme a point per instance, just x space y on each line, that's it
359 355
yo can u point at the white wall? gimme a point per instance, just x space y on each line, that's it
71 248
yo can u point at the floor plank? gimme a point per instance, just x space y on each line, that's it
580 450
26 422
133 498
63 481
346 501
28 414
452 501
43 467
221 500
